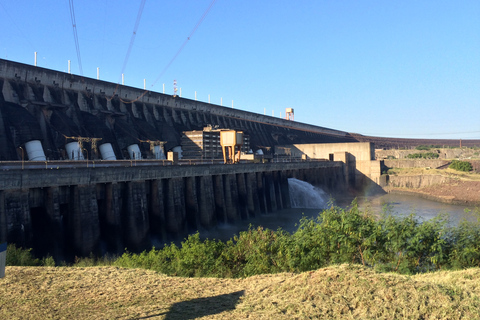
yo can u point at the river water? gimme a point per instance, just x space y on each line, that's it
309 201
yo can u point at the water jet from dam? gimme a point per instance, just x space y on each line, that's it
305 195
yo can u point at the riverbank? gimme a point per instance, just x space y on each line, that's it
445 186
337 292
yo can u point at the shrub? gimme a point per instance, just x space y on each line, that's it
426 155
461 165
20 257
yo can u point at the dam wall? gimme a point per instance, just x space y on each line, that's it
79 210
53 107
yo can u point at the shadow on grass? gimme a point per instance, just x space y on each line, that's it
202 307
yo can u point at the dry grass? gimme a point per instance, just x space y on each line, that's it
340 292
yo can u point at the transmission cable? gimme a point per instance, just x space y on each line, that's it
75 36
130 46
186 40
132 39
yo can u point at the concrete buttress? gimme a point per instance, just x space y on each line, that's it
83 221
206 201
135 216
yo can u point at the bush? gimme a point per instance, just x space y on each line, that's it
389 243
426 155
427 147
20 257
461 165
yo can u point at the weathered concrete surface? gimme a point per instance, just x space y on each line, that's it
128 206
414 163
53 105
361 168
416 181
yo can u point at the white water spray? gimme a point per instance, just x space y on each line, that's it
304 195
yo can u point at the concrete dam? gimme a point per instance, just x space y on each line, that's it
46 106
70 201
73 211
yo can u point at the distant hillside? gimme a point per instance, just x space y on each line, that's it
339 292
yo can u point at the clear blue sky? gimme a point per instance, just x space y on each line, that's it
407 68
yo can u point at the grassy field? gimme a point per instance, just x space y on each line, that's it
338 292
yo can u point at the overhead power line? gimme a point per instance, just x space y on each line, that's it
132 39
199 22
75 36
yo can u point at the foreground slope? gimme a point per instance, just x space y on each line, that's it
340 292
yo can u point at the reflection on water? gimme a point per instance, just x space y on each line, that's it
403 205
400 205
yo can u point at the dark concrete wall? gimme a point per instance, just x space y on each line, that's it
52 105
83 210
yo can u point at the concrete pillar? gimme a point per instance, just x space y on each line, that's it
175 207
3 218
231 197
17 216
242 196
83 221
284 189
206 201
278 193
261 192
192 198
157 209
110 218
135 216
253 202
219 193
52 208
270 192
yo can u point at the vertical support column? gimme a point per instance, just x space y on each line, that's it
261 192
175 205
136 224
52 208
206 201
3 218
220 207
284 189
252 195
278 193
157 209
110 219
270 192
84 226
192 203
242 196
231 197
17 216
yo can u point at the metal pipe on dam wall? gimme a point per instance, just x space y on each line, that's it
74 211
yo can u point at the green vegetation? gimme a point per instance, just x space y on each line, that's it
461 165
427 147
426 155
336 236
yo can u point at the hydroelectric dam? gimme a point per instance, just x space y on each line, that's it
82 163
